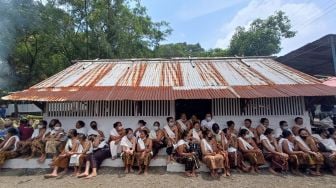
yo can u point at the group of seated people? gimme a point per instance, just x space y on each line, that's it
187 141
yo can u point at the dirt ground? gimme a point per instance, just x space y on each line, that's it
159 178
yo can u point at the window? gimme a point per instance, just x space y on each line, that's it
259 106
109 108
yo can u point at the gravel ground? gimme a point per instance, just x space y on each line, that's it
159 178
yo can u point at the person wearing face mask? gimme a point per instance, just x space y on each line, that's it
213 160
141 126
250 151
37 143
207 122
62 161
128 144
143 151
25 130
171 135
283 125
306 143
327 147
54 141
221 147
273 153
116 134
183 124
195 145
184 155
157 136
94 129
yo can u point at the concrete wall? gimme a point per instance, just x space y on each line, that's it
274 120
106 123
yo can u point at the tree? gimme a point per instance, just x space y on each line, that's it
178 50
263 37
39 39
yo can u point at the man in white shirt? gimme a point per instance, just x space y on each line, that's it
80 127
207 122
283 126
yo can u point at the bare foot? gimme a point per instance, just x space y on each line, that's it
131 170
90 176
41 159
228 173
188 174
145 173
47 176
273 171
126 171
82 175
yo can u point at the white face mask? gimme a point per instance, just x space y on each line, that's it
171 124
285 127
40 126
208 118
156 128
246 136
57 128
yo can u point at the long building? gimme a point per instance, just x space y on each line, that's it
152 89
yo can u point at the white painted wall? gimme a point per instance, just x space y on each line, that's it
274 120
106 123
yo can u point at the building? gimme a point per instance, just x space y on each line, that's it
317 58
152 89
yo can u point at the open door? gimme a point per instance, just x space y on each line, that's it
192 107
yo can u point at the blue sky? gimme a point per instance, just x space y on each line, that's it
212 22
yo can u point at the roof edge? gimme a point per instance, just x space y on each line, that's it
174 58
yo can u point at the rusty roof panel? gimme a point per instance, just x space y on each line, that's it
168 79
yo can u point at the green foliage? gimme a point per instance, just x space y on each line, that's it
43 39
178 50
263 37
39 39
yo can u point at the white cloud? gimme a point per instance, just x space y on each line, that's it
299 14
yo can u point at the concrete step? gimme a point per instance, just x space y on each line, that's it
160 161
23 163
177 167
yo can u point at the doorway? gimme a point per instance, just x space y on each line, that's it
198 107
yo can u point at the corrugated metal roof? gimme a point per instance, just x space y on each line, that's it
168 79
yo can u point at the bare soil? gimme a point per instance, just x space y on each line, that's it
158 177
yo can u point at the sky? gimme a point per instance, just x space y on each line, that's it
212 22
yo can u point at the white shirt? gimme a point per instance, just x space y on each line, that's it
278 132
82 130
35 133
207 124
